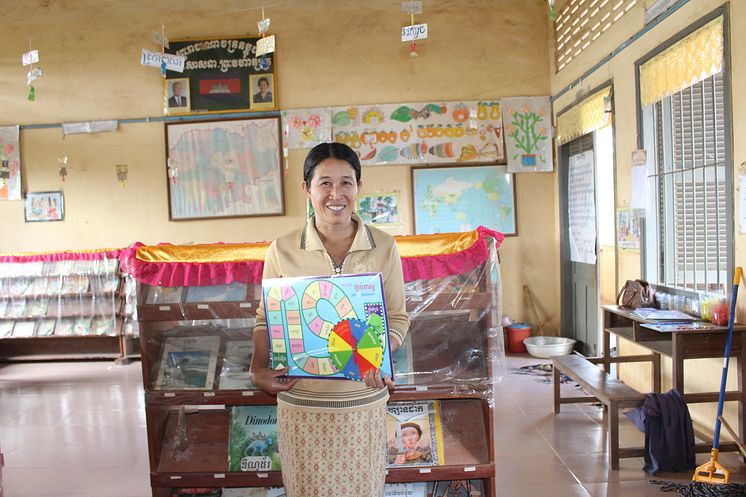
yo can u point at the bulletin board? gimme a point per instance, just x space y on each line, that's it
225 74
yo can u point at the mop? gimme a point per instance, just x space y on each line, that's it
712 479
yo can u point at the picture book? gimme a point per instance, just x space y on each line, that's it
102 325
6 328
38 287
3 307
234 292
15 309
196 492
188 363
24 329
682 326
403 363
412 489
46 327
234 374
18 287
82 325
457 488
36 308
652 314
64 327
252 441
414 434
164 295
254 492
328 327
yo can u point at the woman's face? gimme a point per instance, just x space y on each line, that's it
409 437
332 191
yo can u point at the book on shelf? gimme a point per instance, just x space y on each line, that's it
82 325
38 287
233 292
6 328
46 327
18 287
252 440
15 309
102 325
196 492
328 327
234 373
188 363
24 329
410 489
3 307
683 326
254 492
64 327
652 314
164 295
36 308
457 488
414 434
403 362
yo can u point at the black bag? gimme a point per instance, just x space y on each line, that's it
634 294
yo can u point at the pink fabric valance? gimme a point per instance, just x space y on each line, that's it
67 255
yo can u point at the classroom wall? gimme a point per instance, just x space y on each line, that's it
329 53
701 375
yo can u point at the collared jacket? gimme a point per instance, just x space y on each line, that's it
301 253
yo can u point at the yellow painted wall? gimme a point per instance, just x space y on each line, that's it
701 375
329 53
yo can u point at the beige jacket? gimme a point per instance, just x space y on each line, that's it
301 253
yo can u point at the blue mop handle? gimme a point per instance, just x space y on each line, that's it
726 359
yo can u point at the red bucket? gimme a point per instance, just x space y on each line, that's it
515 333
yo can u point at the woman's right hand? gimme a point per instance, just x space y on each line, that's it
272 380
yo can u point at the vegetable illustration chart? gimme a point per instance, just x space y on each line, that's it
436 132
328 327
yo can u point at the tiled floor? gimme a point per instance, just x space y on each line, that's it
78 429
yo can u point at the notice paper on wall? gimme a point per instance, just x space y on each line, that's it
639 187
581 200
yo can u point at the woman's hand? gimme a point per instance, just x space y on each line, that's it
272 380
373 379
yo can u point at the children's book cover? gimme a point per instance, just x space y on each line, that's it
188 363
234 292
64 327
403 363
458 488
197 492
411 489
234 375
6 328
24 329
328 327
164 295
414 434
252 442
254 492
46 327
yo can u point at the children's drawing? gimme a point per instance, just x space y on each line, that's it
528 133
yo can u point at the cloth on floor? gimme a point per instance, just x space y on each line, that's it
669 436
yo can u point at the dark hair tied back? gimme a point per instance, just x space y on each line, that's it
333 150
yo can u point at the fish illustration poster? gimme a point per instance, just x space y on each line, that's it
418 133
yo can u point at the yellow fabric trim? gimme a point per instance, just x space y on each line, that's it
688 61
409 246
30 254
208 253
588 115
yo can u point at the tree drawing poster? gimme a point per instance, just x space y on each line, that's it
528 134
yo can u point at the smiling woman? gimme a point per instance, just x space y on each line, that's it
334 241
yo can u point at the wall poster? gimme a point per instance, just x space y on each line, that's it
224 74
306 128
581 201
528 134
228 168
422 133
10 165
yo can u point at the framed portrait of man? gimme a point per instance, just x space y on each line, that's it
262 91
177 96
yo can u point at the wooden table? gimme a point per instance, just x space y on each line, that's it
679 346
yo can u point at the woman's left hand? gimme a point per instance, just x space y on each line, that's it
373 379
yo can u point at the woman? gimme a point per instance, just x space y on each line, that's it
332 432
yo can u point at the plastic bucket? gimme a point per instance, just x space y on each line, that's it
515 333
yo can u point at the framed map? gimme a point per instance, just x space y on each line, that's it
456 199
228 168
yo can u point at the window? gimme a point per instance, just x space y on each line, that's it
688 236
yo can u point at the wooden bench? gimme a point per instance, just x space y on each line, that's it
602 387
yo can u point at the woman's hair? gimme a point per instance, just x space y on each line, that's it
333 150
412 425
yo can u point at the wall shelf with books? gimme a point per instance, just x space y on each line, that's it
64 305
195 340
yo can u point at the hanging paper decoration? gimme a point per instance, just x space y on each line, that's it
528 134
162 60
29 59
10 163
62 163
305 128
422 132
413 32
266 44
552 12
122 171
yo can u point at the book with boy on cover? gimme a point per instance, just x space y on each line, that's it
188 363
234 374
458 488
252 441
414 434
328 327
410 489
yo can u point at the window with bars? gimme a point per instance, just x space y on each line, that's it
690 179
581 22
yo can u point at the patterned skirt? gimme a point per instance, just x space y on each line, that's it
332 454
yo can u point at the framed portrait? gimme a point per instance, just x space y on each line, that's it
177 95
224 168
262 88
451 199
380 209
44 206
218 71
